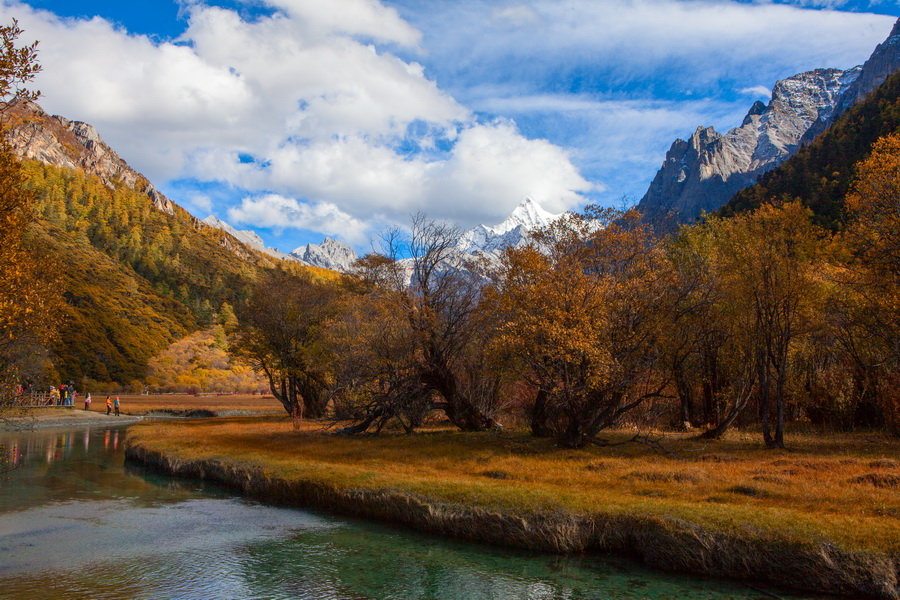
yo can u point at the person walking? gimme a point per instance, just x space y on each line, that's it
116 405
87 401
108 406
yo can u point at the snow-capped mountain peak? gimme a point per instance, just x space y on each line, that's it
528 214
525 218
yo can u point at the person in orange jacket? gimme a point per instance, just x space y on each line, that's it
108 406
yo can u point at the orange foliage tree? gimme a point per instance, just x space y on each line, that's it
25 297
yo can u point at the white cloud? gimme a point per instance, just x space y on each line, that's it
756 90
344 127
324 113
278 212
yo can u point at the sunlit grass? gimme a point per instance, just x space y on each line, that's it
142 405
840 488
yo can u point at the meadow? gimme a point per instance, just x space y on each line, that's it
840 489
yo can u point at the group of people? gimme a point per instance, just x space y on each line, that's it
65 395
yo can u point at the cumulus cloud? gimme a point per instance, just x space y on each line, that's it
310 101
329 115
278 212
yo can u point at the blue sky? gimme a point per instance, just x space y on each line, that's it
306 118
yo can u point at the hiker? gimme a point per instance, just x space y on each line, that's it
87 401
54 396
108 406
116 404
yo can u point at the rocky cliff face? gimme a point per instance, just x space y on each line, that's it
884 62
55 140
702 173
330 254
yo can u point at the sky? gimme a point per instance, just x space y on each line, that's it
300 119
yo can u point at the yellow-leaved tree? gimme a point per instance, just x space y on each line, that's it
25 298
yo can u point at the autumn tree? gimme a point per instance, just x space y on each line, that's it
440 301
864 308
766 265
281 330
25 299
375 360
581 313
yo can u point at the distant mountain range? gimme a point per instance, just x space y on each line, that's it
704 172
482 240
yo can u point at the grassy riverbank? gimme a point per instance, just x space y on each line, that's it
831 498
186 404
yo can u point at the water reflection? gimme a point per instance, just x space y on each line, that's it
74 523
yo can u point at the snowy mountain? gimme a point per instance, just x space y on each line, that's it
512 232
330 254
245 237
480 241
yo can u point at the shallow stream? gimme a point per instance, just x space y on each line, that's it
76 523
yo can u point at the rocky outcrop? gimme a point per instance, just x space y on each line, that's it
704 172
57 141
330 254
663 542
884 62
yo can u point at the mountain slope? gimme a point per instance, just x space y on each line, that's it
821 174
704 172
137 271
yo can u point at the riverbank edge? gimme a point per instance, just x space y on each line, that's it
87 420
669 544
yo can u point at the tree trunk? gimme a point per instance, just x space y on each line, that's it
779 406
540 426
685 398
764 408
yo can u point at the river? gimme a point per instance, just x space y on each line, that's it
76 523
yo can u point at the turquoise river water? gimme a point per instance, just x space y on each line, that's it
76 523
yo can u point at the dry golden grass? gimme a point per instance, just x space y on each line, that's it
841 488
141 405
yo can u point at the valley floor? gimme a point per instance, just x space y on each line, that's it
822 516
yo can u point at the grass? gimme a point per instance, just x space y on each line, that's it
142 405
841 488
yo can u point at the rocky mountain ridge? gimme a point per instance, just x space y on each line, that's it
55 140
704 172
330 254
